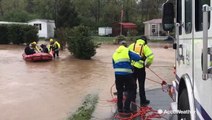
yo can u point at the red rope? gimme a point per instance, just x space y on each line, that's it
146 113
111 90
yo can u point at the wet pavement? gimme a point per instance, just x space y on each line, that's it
54 90
162 66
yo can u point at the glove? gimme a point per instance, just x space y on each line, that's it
147 65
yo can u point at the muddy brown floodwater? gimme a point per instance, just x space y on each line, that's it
54 90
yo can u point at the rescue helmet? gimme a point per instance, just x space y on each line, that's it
51 40
34 43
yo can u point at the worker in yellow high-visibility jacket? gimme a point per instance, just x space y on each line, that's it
54 47
35 47
141 47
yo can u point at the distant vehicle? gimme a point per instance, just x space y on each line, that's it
193 84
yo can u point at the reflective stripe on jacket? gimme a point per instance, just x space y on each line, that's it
122 61
144 51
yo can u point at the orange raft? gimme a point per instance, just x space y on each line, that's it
37 57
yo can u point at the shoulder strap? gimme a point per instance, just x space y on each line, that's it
134 45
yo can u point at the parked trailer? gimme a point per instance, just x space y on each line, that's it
105 31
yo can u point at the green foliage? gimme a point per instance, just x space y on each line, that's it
66 14
80 43
60 34
30 34
15 34
18 34
18 16
119 38
91 13
4 34
85 111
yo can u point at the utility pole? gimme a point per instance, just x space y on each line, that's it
122 14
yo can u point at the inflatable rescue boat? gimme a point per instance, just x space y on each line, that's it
38 57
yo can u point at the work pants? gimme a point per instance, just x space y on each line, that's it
124 82
140 75
56 53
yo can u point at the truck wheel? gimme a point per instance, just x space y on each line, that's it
183 105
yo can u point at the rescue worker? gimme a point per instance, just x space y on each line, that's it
34 46
141 47
28 50
123 75
54 47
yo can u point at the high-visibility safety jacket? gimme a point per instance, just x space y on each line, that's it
55 46
34 46
144 51
122 60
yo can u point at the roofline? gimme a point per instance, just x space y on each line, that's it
6 22
46 20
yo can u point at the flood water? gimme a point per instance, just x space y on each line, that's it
54 90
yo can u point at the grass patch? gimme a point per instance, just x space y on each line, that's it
105 40
111 40
85 111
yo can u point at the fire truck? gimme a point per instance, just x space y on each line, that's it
191 21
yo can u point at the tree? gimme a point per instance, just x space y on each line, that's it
1 9
80 43
66 15
17 16
30 6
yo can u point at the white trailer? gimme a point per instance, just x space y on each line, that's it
104 31
45 27
193 84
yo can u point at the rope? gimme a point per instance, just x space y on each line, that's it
147 112
156 74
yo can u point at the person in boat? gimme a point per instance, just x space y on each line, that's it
44 49
54 47
28 50
34 46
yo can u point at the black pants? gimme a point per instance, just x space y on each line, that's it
56 53
124 82
140 75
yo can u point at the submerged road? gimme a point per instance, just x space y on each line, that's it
54 90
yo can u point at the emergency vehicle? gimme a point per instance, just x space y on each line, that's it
192 20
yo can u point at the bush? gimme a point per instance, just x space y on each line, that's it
30 34
80 43
4 34
18 34
119 38
15 34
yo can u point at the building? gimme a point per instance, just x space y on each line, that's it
46 27
123 28
153 29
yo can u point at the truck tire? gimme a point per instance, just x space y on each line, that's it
183 105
